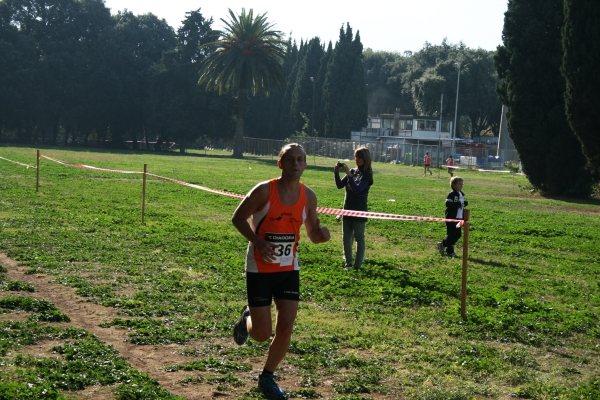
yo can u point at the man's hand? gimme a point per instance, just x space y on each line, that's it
320 234
265 249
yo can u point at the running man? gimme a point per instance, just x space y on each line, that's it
427 164
450 163
277 208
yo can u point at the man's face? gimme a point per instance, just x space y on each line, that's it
293 163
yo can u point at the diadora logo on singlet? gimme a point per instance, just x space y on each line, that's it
283 214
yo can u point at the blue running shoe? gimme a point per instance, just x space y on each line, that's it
240 330
266 383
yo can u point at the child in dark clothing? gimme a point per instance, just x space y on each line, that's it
455 205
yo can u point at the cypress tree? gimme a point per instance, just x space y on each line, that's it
302 95
581 45
263 118
320 115
286 124
352 114
533 89
339 81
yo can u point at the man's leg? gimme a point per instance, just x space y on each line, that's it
259 323
286 311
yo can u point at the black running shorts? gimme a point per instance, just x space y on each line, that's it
263 288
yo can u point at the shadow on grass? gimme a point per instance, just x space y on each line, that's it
573 200
109 150
492 263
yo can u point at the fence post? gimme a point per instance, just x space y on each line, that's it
463 301
37 173
144 193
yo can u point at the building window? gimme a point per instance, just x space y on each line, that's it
405 125
426 125
375 123
445 126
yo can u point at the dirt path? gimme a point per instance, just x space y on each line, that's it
88 316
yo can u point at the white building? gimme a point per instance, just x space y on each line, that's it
397 128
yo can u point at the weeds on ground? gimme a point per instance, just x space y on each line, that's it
389 330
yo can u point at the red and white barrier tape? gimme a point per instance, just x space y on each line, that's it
372 215
89 166
16 162
322 210
239 196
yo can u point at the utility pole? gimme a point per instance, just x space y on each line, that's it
455 109
312 112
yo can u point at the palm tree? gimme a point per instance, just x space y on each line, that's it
248 58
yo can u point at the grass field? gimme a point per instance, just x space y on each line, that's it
392 330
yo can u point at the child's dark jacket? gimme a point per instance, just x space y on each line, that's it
453 203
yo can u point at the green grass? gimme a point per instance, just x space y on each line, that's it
391 330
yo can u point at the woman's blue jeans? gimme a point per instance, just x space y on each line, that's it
353 230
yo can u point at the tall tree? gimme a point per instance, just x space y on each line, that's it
248 59
55 28
478 98
140 42
18 60
344 90
434 71
533 88
181 110
581 45
302 100
320 115
285 118
263 115
383 93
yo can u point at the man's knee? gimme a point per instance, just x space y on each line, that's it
284 331
260 335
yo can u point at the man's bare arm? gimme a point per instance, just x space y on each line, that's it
252 203
315 232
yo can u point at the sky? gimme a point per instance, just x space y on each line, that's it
390 25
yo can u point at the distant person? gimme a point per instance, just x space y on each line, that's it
357 182
277 209
450 163
455 206
427 164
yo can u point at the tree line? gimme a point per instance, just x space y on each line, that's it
414 83
549 81
70 69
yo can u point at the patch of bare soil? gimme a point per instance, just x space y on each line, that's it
148 359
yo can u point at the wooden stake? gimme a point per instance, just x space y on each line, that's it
37 173
465 257
144 194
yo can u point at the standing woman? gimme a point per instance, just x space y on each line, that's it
357 182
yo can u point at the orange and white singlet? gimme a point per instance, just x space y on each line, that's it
280 225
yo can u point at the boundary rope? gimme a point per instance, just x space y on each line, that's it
16 162
322 210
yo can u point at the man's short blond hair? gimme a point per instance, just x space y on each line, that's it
290 146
